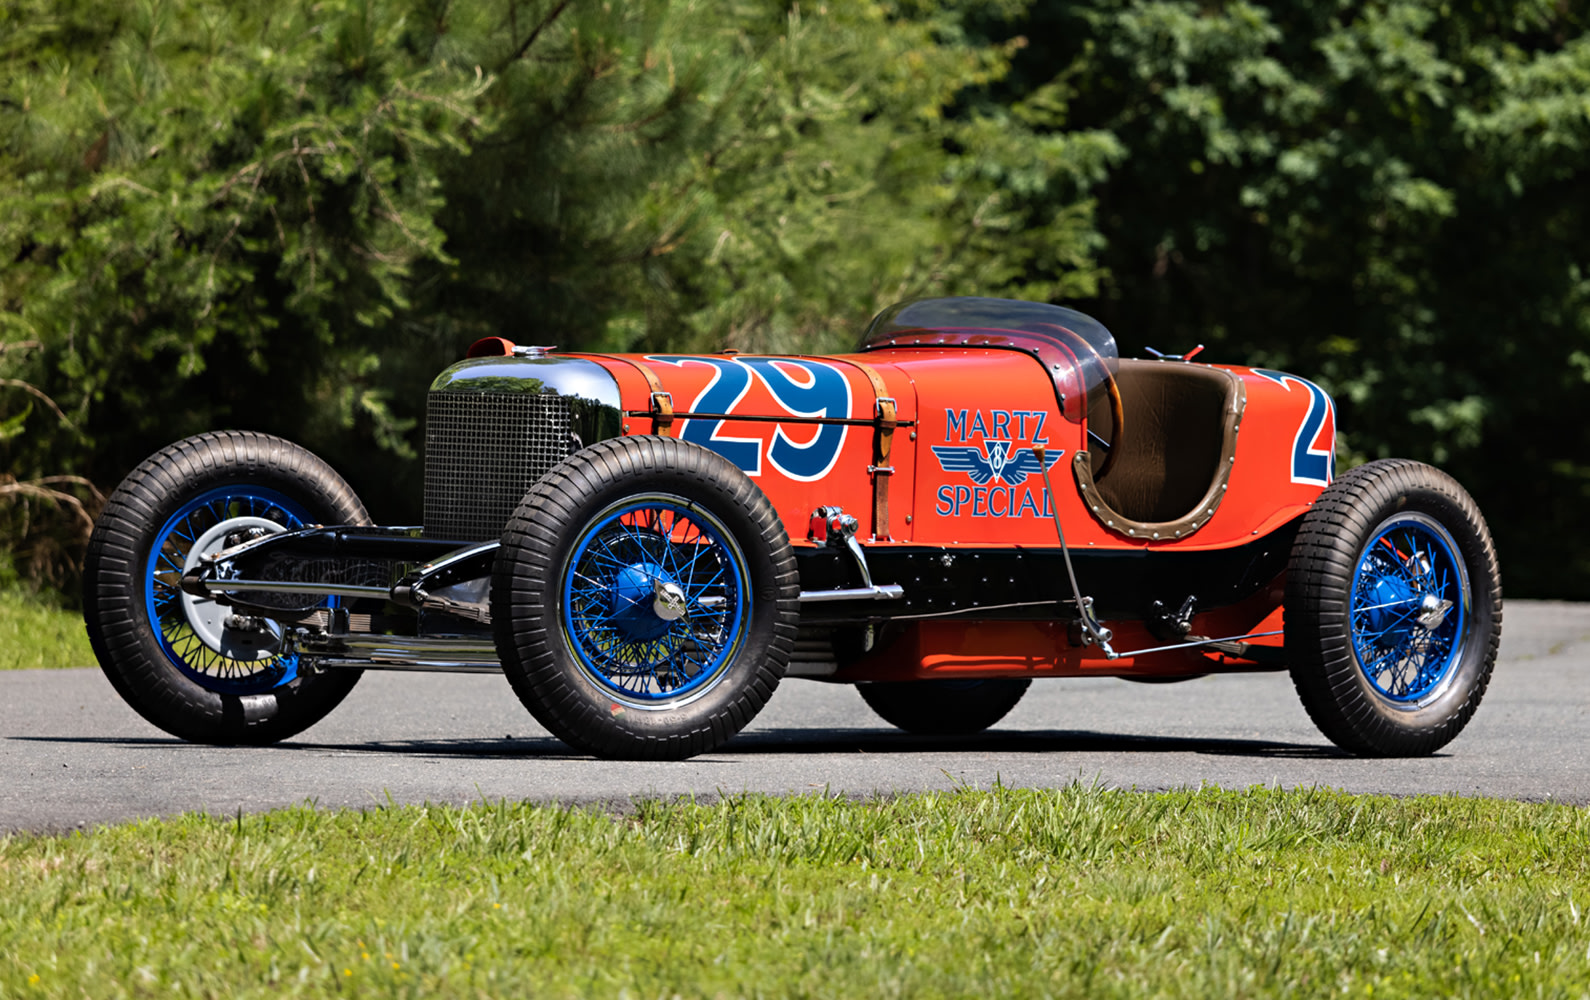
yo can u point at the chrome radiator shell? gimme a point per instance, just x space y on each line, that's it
494 426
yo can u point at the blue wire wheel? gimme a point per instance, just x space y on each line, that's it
1393 609
655 600
193 632
645 599
1410 610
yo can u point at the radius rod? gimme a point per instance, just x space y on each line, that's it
1092 631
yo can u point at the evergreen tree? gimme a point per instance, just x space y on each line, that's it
289 217
1388 197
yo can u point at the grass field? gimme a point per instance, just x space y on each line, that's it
35 634
1078 892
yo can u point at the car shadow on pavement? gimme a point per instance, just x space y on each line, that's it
774 742
540 747
809 741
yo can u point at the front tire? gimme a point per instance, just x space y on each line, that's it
170 655
944 708
645 599
1393 609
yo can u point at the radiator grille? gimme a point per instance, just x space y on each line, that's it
483 452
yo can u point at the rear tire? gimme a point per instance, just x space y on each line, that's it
944 708
163 651
1393 609
645 599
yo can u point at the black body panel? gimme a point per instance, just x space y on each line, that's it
1021 584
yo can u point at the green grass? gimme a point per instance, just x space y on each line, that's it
1078 892
36 634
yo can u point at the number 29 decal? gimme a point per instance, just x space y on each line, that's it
1314 445
803 389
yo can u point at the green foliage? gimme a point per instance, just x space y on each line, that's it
1073 892
840 198
288 217
34 634
1387 197
45 521
211 213
752 175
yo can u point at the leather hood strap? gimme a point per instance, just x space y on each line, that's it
886 419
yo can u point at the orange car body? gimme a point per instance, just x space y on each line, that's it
807 430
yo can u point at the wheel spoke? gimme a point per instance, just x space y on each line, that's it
629 647
169 614
1408 563
1400 620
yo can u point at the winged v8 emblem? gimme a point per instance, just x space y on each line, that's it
1011 467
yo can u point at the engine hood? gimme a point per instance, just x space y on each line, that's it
573 377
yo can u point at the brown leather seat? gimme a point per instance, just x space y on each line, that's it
1180 425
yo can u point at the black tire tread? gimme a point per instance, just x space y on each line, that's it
1319 581
525 571
113 614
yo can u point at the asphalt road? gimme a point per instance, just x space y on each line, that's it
72 755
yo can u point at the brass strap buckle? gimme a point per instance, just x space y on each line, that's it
662 411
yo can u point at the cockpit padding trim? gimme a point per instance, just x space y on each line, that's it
1181 423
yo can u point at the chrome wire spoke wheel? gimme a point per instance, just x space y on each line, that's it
196 634
655 600
1410 609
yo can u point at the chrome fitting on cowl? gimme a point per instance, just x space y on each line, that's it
832 526
837 530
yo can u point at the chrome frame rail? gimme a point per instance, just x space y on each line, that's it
442 654
877 592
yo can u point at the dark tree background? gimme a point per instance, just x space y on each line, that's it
289 217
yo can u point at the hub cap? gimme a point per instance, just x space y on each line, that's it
200 637
209 619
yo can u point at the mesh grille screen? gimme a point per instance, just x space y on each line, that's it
483 452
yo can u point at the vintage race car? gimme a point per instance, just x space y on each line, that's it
646 545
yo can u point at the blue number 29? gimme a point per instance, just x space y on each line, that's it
809 389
